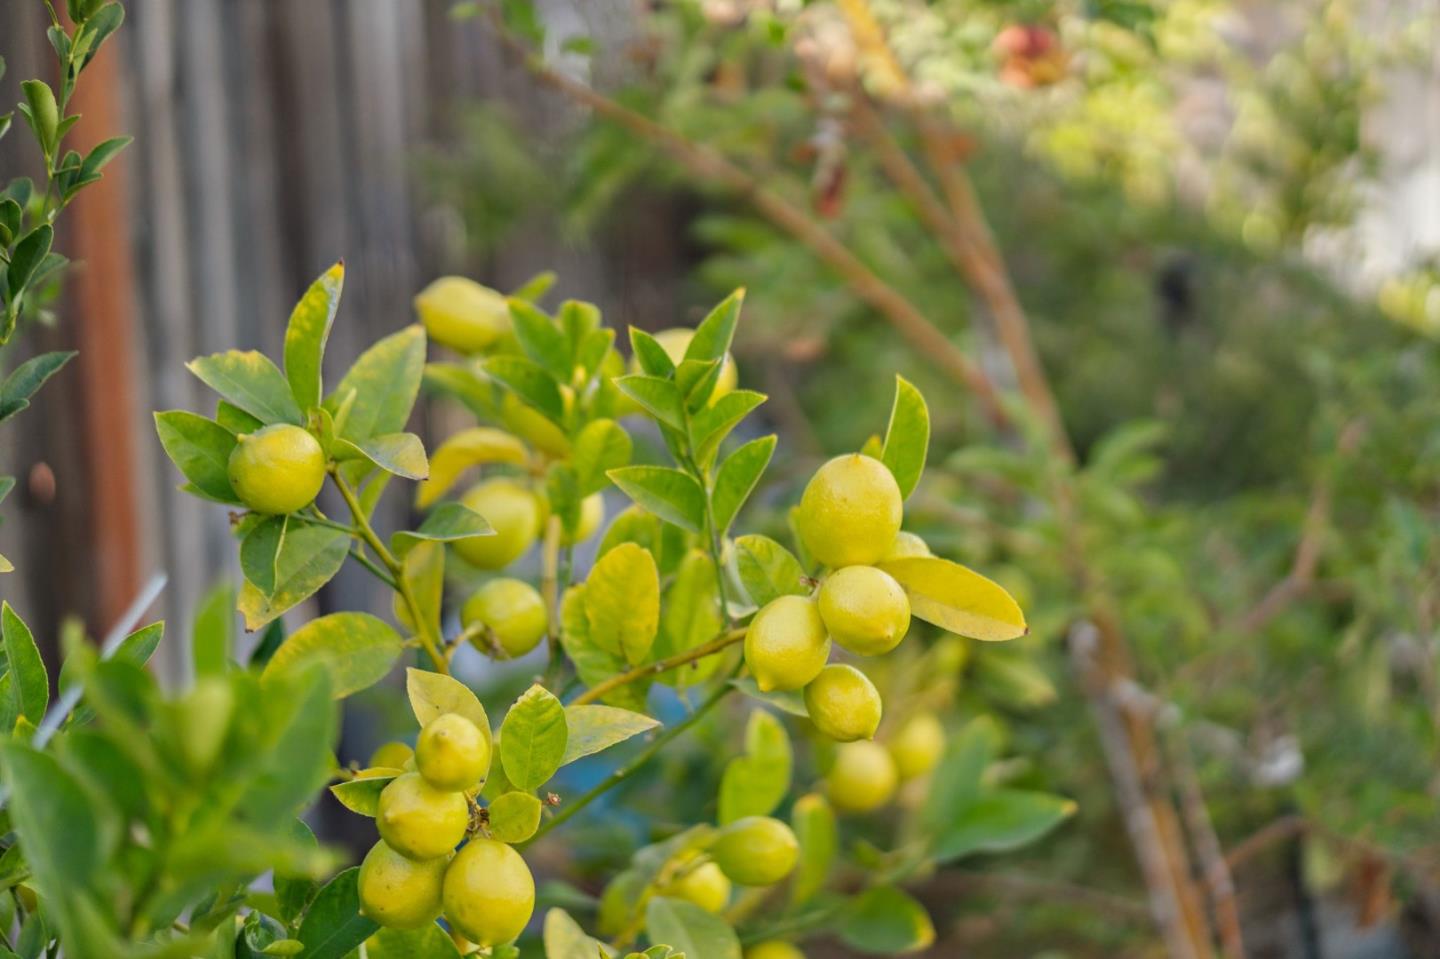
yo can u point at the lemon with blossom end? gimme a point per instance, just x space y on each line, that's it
774 949
863 777
907 545
918 745
513 612
704 885
756 851
843 703
391 756
452 752
489 892
512 511
850 511
397 892
419 821
786 644
278 469
865 610
462 314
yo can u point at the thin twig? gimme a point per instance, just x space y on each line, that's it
719 643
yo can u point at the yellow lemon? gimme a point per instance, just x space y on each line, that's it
512 610
278 469
397 892
419 821
850 511
756 851
918 745
513 512
705 885
592 514
864 609
452 752
907 545
843 703
773 949
462 314
391 756
863 777
786 645
489 893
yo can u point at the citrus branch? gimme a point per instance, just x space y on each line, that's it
718 644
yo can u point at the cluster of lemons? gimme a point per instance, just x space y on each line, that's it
414 874
849 520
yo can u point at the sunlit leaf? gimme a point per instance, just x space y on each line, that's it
249 380
306 333
356 649
533 738
768 570
595 728
514 816
622 602
670 494
434 694
907 438
958 599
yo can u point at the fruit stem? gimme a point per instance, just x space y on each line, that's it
719 643
625 772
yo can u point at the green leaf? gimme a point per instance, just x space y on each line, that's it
768 570
907 438
1002 820
600 447
564 939
596 728
29 253
434 694
813 821
660 398
293 894
333 925
308 557
592 664
956 782
140 645
427 942
29 684
467 448
737 477
250 381
790 701
200 449
213 635
234 419
290 726
56 821
713 336
361 795
696 379
27 378
530 383
541 340
307 332
958 599
259 550
711 425
424 573
447 523
685 927
43 113
356 649
755 783
691 616
514 816
101 155
650 355
535 288
384 381
622 602
533 738
886 922
670 494
399 453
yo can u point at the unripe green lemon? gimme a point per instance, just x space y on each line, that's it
419 821
592 514
756 851
278 469
850 511
774 949
786 645
397 892
452 752
676 340
513 512
512 610
462 314
533 427
204 720
843 703
864 609
489 893
907 545
391 756
705 885
863 777
918 745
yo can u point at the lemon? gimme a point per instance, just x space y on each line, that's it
489 893
843 703
513 612
419 821
907 545
513 512
773 949
391 756
676 340
918 745
863 777
704 885
452 752
786 644
535 427
864 609
397 892
592 514
278 469
462 314
850 511
756 851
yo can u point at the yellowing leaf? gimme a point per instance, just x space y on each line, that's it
622 602
514 817
956 598
356 649
594 728
472 447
